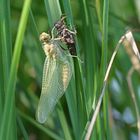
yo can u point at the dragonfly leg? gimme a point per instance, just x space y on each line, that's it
76 57
52 32
72 32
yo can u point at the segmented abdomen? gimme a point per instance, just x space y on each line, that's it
66 75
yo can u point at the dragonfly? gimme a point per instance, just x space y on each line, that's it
57 73
65 34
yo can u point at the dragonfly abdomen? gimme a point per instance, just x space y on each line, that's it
65 76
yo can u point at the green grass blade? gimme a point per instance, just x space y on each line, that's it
9 101
64 122
104 37
99 15
6 53
104 61
80 100
22 128
39 126
53 11
6 47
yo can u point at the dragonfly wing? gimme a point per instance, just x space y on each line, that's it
56 76
48 74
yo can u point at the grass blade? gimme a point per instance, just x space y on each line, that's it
10 101
39 126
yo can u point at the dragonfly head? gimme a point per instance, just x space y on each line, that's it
44 37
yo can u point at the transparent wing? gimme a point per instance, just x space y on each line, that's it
56 77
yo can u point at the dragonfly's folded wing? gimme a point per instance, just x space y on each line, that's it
53 86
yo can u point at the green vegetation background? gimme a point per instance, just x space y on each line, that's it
99 25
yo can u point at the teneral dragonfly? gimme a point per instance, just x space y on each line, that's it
57 73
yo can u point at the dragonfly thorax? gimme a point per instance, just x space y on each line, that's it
50 50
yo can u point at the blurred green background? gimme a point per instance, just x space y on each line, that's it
99 24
